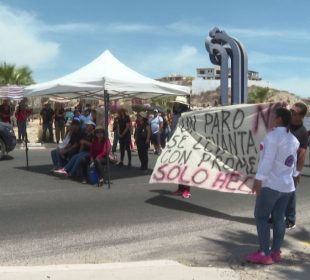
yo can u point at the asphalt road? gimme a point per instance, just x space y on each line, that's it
48 220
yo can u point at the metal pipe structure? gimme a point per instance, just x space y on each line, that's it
106 124
221 47
218 56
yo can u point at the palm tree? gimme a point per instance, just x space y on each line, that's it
12 75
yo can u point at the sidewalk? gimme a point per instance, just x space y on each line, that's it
145 270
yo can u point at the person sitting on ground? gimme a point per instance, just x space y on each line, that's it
142 138
61 155
72 168
99 152
273 185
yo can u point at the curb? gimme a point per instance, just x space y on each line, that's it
150 270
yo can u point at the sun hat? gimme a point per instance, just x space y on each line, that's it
181 100
143 115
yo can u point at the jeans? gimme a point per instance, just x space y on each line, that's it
58 161
49 127
270 202
143 148
22 134
72 167
125 144
290 213
115 141
59 132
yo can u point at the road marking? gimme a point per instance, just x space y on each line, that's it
68 267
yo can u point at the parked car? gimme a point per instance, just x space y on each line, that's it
7 139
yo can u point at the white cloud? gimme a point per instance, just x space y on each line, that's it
21 42
69 27
264 58
164 61
129 28
287 34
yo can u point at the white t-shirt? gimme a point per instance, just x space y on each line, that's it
277 164
155 124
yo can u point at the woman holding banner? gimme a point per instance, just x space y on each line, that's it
273 184
180 106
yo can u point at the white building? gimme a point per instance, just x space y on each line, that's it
215 74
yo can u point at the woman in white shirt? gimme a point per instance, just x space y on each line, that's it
273 184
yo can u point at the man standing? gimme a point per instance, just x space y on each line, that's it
299 111
156 124
47 114
59 122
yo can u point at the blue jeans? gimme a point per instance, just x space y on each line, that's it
22 135
58 161
270 202
74 164
49 127
290 213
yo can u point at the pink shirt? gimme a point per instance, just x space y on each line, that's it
99 150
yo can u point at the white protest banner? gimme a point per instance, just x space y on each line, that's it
216 149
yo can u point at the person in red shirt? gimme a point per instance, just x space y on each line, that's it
22 114
5 111
100 148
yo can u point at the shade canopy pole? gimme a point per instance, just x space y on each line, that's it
106 124
26 148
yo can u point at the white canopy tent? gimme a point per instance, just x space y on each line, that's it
105 77
105 73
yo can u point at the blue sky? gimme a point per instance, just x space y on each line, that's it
157 38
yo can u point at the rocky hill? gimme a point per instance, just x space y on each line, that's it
211 97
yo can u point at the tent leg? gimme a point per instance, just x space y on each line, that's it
26 148
106 122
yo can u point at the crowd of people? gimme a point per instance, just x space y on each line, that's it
85 146
21 113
